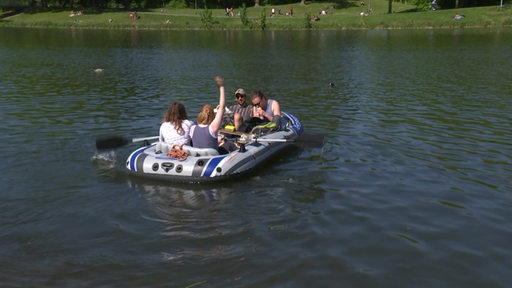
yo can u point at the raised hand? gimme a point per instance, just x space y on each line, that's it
219 81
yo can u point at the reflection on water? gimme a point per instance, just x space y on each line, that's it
192 219
171 198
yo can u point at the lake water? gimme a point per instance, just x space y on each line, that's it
413 187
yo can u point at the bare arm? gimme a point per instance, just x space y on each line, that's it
215 125
276 108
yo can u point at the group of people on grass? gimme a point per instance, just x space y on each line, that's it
177 129
280 12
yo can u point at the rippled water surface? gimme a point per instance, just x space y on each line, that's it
411 189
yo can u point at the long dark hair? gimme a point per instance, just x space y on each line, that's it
175 114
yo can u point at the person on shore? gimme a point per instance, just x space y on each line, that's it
175 127
458 16
204 134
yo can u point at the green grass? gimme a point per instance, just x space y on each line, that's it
337 18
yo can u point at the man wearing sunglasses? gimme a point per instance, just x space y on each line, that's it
265 109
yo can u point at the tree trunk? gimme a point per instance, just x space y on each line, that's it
390 6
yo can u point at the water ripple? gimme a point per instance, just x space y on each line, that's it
416 161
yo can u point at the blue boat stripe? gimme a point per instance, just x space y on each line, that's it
140 161
296 124
134 158
211 166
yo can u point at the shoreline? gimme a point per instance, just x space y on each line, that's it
338 19
253 30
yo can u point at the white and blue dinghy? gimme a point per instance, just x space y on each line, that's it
206 165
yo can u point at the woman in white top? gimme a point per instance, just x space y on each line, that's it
175 126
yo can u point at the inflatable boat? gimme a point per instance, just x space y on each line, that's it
207 165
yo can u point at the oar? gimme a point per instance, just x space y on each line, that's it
304 140
110 142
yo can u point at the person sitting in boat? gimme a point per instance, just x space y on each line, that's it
175 127
241 110
204 134
264 110
225 145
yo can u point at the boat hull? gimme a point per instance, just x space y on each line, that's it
148 162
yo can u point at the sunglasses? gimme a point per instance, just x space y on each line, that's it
239 96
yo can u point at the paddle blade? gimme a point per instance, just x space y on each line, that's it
310 140
111 142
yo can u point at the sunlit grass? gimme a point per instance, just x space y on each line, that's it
337 18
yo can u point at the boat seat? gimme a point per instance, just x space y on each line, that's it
197 152
162 148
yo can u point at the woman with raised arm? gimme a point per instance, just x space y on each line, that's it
204 134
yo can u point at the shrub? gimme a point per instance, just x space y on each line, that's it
263 19
307 21
243 16
207 19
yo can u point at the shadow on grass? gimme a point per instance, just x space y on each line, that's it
344 4
92 11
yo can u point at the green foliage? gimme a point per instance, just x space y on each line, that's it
422 5
243 16
176 4
216 4
207 19
262 20
307 21
7 4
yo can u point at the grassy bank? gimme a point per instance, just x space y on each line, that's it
354 16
